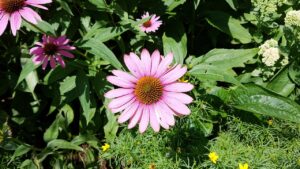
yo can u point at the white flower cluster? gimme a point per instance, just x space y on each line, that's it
292 18
269 52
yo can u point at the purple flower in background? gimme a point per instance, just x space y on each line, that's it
52 49
15 10
152 24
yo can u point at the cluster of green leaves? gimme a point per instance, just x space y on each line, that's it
59 118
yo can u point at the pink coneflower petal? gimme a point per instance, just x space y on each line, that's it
179 87
154 120
151 95
3 22
118 92
125 75
121 108
52 51
144 120
38 59
65 53
45 62
136 117
38 1
28 16
15 22
128 113
118 102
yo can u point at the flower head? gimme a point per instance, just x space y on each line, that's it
52 49
270 56
150 93
105 147
213 157
243 166
292 18
15 10
152 24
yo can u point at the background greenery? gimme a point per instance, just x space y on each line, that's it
58 118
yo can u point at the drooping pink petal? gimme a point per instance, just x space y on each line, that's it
177 106
138 63
128 113
118 102
38 59
15 22
60 61
136 117
154 119
131 66
66 47
146 60
28 16
52 62
120 82
178 87
173 74
125 75
39 6
36 50
144 122
65 53
32 13
164 65
118 92
121 108
45 62
183 98
166 113
38 1
155 60
4 17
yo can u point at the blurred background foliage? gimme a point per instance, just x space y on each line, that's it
58 118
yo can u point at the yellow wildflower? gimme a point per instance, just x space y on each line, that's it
270 122
213 156
105 147
243 166
183 80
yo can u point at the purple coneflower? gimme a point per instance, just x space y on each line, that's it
150 93
15 10
152 24
52 49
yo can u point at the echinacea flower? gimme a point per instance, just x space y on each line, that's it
213 157
243 166
151 93
105 147
52 49
152 24
15 10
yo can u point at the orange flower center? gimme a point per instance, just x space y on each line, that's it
50 49
148 90
11 6
147 24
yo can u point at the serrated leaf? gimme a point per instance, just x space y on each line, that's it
229 25
256 99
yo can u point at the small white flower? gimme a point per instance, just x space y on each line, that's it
270 56
292 18
271 43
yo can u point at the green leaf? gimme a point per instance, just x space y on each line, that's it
67 85
84 98
172 4
104 34
256 99
294 73
26 70
99 49
232 4
218 64
59 73
229 25
62 144
65 6
175 41
111 128
63 119
282 84
42 27
21 150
